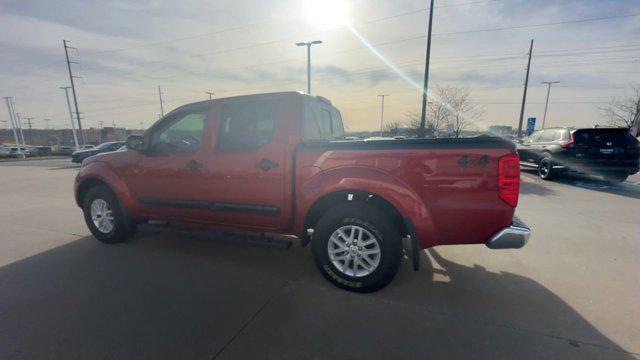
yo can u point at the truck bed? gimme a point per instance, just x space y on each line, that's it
453 182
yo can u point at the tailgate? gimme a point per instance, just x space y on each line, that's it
604 145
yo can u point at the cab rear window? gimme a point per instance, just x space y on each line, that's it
321 121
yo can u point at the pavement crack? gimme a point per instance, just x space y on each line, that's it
250 320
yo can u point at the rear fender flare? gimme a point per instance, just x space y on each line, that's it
364 179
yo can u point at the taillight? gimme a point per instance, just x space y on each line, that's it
569 144
509 179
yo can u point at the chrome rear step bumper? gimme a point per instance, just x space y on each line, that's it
512 237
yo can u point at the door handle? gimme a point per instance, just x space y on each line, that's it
193 165
266 165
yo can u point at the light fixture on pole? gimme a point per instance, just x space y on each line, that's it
308 45
210 93
382 96
546 104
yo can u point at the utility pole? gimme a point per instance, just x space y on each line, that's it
308 44
546 104
73 88
160 96
422 132
524 94
13 124
210 93
382 96
28 119
19 122
73 126
46 121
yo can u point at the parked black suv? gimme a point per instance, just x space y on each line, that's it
78 156
609 152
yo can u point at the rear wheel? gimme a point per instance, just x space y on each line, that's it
104 216
545 169
357 248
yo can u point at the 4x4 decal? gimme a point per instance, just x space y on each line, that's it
466 160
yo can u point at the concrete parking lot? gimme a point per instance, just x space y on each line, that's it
572 292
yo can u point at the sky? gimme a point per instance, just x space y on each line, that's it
126 49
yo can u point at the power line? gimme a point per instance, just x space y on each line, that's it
603 18
250 25
271 42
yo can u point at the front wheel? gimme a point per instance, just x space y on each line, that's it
357 248
104 216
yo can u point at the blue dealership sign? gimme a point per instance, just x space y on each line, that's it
531 125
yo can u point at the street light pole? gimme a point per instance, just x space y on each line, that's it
422 132
546 104
73 126
308 45
382 96
210 93
524 93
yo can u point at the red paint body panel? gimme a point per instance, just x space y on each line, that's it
447 201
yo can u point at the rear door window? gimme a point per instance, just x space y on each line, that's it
246 126
547 136
534 137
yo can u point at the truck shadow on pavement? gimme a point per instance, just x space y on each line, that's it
168 295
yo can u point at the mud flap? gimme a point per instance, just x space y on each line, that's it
415 246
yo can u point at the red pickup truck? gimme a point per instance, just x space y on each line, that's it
274 163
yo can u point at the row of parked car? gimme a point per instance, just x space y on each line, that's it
77 156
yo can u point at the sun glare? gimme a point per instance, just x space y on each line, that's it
326 14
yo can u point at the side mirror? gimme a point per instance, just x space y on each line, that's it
134 142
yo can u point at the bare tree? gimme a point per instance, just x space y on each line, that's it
464 111
412 118
393 128
439 108
625 112
449 106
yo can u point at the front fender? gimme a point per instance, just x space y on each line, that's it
98 170
369 180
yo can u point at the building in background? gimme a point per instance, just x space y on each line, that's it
502 130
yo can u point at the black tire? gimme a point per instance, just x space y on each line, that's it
123 228
375 223
545 169
616 178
